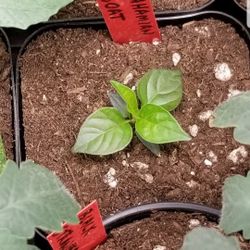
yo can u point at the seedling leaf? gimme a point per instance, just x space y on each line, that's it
118 103
161 87
128 95
2 155
12 242
22 14
154 148
156 125
33 197
235 113
103 132
236 205
209 239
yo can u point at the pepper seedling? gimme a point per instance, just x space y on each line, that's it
109 129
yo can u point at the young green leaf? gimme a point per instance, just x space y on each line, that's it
156 125
22 14
103 132
118 103
2 156
13 242
154 148
235 113
236 205
209 239
31 197
161 87
128 95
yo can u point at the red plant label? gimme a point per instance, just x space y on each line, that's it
86 235
130 20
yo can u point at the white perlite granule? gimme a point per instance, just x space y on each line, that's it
222 72
176 57
238 154
159 247
205 115
129 77
110 179
193 129
208 163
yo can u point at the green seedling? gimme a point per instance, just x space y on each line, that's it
109 129
21 14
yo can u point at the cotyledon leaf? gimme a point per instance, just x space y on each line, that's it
23 13
235 113
161 87
103 132
156 125
31 197
202 238
236 205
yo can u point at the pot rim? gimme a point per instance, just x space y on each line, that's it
240 6
142 211
14 104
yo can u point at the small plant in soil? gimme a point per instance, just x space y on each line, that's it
109 129
31 197
235 217
22 14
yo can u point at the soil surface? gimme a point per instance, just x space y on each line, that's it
88 8
163 231
5 101
65 77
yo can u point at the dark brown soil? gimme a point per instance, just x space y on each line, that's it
5 100
87 8
65 77
162 229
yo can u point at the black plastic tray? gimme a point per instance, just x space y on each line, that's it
99 24
14 106
141 212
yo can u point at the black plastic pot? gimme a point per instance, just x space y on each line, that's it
15 120
141 212
206 6
99 24
239 5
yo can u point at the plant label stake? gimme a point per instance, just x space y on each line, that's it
130 20
87 235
